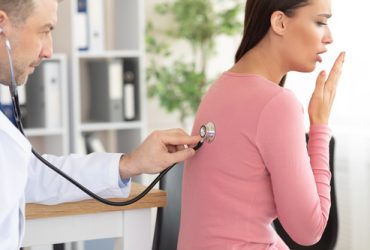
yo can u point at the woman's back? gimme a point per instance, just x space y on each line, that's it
234 187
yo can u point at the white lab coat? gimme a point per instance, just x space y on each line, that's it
25 179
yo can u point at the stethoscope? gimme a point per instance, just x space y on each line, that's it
207 133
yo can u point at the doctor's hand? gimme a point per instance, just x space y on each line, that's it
159 150
323 96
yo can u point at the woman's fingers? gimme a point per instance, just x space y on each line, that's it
324 94
320 81
336 71
333 78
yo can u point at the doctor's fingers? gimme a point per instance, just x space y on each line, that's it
174 148
181 155
179 147
178 137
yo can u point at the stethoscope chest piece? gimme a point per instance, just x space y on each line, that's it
208 132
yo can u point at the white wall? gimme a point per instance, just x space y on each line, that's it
350 120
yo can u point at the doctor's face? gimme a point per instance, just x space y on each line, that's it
31 40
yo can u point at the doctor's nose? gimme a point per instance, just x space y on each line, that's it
47 49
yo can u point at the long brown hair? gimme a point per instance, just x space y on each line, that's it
257 22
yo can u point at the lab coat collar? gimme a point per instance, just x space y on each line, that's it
10 129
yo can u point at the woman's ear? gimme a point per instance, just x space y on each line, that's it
278 19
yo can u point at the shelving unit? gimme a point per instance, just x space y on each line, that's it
46 134
52 139
123 32
124 41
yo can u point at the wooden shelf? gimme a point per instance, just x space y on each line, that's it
155 198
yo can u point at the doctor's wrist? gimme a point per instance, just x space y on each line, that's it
126 168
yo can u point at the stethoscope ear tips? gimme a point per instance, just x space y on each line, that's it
208 132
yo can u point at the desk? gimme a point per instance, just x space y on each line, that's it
89 219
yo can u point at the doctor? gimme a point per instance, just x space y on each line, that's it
28 25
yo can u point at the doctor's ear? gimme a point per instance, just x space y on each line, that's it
3 20
278 22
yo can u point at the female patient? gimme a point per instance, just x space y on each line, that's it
259 167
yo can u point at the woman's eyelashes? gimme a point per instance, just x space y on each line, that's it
320 23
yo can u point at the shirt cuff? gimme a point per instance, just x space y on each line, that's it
123 183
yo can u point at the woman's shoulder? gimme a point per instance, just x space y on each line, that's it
256 84
283 103
252 79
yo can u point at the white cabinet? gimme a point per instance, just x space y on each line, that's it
46 118
106 80
44 106
106 77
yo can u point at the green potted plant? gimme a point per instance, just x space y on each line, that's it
180 82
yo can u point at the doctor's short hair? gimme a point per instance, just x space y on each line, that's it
18 10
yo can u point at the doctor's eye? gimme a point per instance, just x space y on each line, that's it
45 33
47 30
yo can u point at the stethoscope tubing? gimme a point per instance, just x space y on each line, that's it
18 120
97 197
83 188
79 185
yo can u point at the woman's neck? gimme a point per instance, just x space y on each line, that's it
263 61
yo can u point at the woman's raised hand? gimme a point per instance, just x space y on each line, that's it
323 96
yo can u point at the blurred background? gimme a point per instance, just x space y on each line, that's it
167 53
349 121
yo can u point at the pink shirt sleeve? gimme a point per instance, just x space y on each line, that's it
300 174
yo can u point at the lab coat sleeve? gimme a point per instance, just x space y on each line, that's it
98 172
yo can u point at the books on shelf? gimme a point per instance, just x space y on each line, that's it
129 101
43 94
106 90
113 89
130 83
94 144
90 25
81 31
95 14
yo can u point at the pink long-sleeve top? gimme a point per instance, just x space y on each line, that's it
257 168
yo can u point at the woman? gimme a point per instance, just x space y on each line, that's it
259 167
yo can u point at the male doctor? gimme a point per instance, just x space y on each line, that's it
28 25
